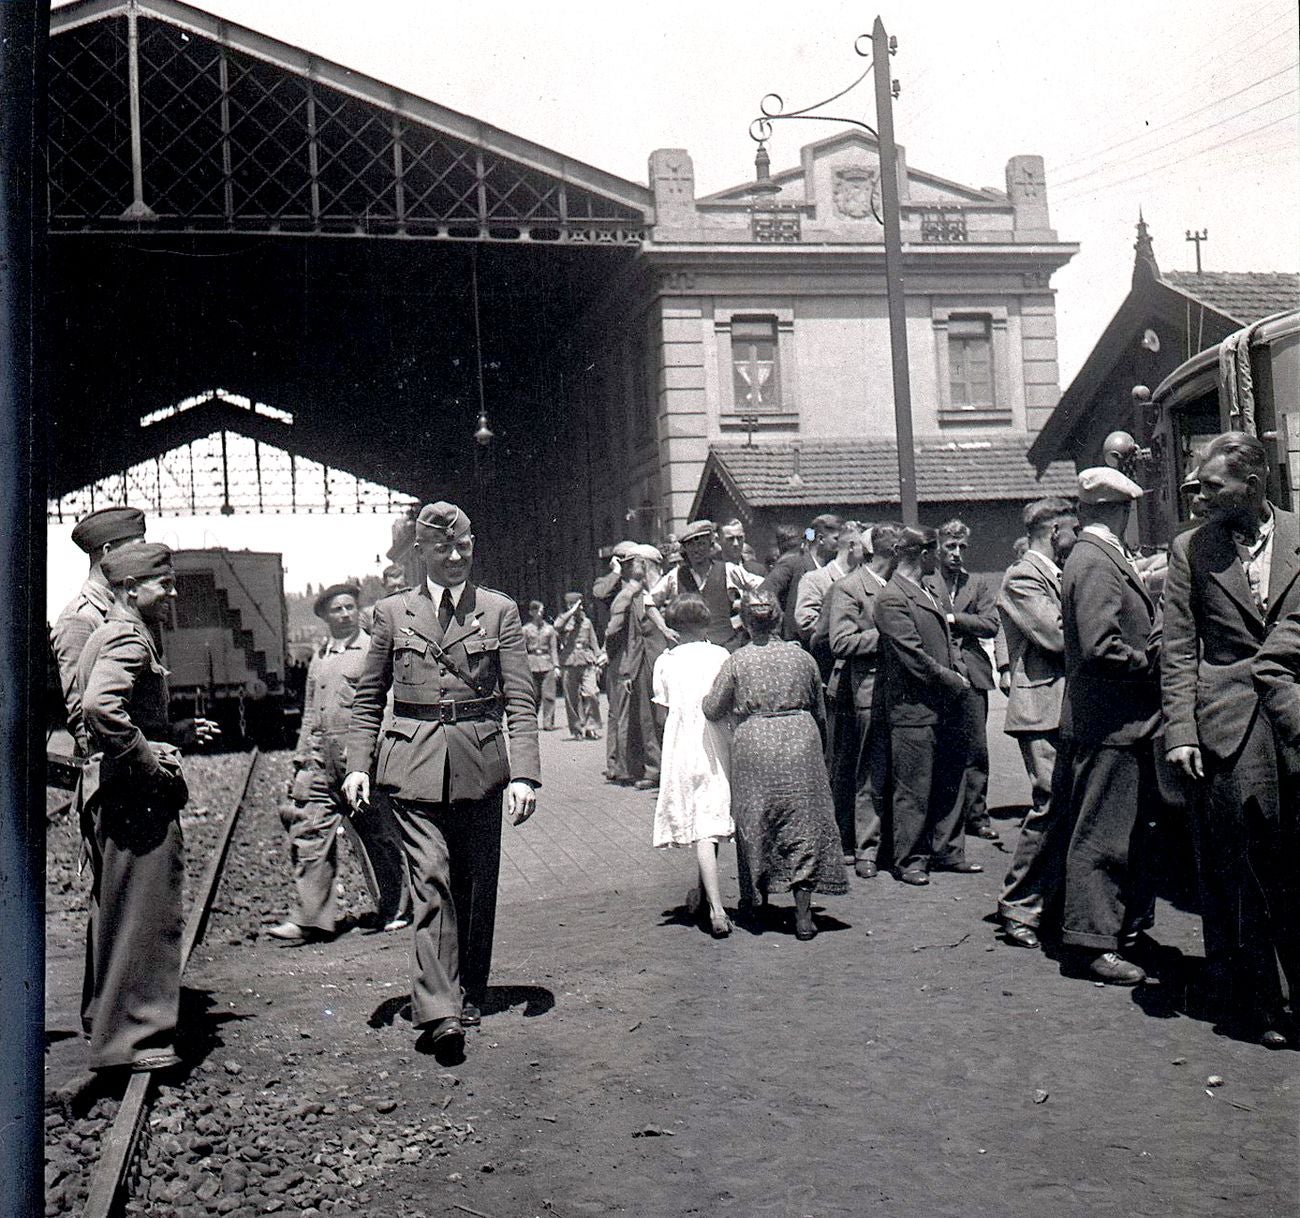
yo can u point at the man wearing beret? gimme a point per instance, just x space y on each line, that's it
453 654
317 809
132 793
1109 714
97 534
1229 582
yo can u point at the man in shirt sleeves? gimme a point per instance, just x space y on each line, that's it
453 654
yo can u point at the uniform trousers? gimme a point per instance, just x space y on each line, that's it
1109 889
1036 867
453 855
637 730
582 699
975 779
313 822
1244 835
131 993
925 769
616 693
857 759
544 697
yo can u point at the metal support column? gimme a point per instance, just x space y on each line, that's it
24 26
139 209
880 53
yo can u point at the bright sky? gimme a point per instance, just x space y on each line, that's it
1186 109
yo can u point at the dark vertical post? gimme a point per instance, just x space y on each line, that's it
24 26
894 273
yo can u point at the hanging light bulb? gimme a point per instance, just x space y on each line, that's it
483 434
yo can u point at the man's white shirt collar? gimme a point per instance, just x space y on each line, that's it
436 591
1051 566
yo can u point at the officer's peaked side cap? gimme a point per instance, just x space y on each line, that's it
148 560
322 604
96 530
441 521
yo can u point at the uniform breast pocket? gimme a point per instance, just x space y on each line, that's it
481 650
410 667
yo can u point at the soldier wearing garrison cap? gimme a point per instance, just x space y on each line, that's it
316 808
453 654
97 534
1109 715
131 794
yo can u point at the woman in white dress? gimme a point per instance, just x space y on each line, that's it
694 805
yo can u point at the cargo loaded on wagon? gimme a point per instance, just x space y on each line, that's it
227 645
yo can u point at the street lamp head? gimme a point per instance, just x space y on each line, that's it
483 434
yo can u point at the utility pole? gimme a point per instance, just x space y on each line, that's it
882 47
24 27
1203 235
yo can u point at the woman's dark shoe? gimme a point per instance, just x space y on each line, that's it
805 932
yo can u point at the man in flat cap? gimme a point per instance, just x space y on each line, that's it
1230 581
96 534
317 809
132 793
1109 714
720 583
453 655
603 591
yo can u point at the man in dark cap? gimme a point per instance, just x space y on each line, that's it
97 534
720 583
1109 715
132 793
453 654
317 810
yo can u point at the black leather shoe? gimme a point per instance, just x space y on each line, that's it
866 868
915 876
444 1038
1273 1039
959 868
986 831
1019 934
470 1015
646 784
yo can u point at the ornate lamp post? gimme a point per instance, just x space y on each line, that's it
879 47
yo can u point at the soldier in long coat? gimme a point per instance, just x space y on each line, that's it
1229 582
453 654
1029 604
132 791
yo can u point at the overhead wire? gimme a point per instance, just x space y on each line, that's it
1179 139
1179 160
1218 101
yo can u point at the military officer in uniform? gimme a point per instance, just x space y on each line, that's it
316 811
453 654
132 791
98 534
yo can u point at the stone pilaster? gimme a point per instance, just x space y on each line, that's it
672 179
682 404
1042 373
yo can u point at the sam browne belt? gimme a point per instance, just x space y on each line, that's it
452 711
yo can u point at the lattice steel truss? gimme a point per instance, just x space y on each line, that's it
160 127
226 473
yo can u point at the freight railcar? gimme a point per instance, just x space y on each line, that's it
226 646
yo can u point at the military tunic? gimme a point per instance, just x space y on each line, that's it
317 807
443 761
82 615
132 791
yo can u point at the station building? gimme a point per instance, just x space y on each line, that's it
332 268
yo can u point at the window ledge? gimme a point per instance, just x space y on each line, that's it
759 420
987 414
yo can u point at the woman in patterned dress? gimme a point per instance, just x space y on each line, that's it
780 795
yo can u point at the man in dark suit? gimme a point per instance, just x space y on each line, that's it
1029 604
453 654
918 693
859 746
1109 715
1229 581
822 543
972 615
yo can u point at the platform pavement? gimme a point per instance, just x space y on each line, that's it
589 836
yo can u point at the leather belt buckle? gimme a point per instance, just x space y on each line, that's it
447 712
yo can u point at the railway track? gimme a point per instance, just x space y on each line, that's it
111 1179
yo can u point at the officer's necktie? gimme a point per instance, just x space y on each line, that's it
446 609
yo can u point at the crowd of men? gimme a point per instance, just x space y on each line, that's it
1132 686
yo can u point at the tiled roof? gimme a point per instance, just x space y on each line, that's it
1244 296
866 472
